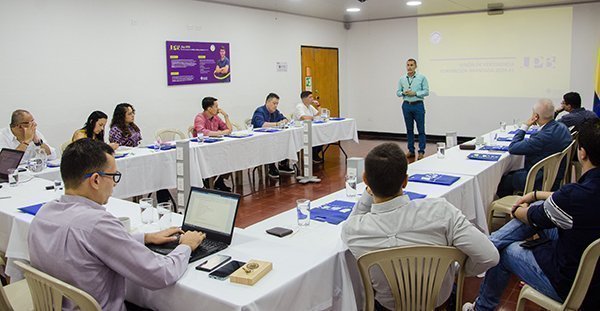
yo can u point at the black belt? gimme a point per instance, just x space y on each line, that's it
413 103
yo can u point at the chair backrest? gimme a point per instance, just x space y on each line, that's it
190 131
247 122
237 127
550 166
4 303
169 135
48 292
567 156
584 275
415 274
570 158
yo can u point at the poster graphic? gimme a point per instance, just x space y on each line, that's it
197 62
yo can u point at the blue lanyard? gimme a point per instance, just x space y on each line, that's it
410 81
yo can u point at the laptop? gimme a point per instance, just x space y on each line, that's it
212 212
9 158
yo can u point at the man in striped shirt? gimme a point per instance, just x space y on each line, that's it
568 221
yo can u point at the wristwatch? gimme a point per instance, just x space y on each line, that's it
39 143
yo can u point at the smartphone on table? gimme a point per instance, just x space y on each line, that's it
226 270
213 262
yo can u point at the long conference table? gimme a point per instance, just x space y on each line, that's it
312 268
147 170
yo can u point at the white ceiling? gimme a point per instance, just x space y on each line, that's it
383 9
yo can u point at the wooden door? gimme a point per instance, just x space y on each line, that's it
323 64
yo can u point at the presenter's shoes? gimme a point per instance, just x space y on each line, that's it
273 171
421 156
286 169
410 155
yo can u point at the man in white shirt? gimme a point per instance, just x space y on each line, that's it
306 111
23 135
384 217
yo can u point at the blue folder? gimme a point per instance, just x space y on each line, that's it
436 179
32 209
494 148
528 131
337 119
121 155
504 138
333 212
484 156
52 164
414 195
239 136
267 130
162 147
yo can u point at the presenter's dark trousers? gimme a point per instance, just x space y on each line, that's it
415 112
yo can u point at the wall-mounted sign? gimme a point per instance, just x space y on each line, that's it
197 62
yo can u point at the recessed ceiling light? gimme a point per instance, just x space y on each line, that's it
352 10
413 3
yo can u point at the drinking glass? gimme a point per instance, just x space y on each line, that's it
502 126
250 128
351 185
303 211
147 209
441 150
13 177
164 215
200 137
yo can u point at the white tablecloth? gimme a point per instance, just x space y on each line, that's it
144 171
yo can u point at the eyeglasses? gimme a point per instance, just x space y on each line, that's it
116 177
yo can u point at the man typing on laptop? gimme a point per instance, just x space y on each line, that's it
76 240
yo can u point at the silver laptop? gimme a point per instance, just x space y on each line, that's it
212 212
9 158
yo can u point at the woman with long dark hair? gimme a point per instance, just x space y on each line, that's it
122 127
94 128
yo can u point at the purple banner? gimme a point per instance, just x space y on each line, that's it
197 62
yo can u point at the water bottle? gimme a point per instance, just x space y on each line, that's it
38 162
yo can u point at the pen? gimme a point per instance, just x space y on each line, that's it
6 197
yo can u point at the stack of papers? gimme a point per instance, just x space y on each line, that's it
495 148
267 130
432 178
337 119
239 135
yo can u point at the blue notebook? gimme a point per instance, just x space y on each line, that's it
267 130
32 209
494 148
504 138
239 135
162 147
52 164
484 156
436 179
121 155
318 122
528 131
414 195
337 119
333 212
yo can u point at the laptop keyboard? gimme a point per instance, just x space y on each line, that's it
207 247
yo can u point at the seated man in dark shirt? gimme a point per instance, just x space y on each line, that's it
268 116
568 218
576 114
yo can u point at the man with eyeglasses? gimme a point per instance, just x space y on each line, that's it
76 240
23 135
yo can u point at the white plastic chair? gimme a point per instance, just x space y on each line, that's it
582 280
15 296
47 291
415 274
169 135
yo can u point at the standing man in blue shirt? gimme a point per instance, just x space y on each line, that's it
413 87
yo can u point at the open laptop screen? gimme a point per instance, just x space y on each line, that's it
211 210
9 158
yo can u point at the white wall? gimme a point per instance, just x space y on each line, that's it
62 59
377 52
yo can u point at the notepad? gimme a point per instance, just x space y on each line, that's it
484 156
318 122
239 135
333 212
414 195
267 130
494 148
527 132
504 138
432 178
32 209
337 119
120 155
